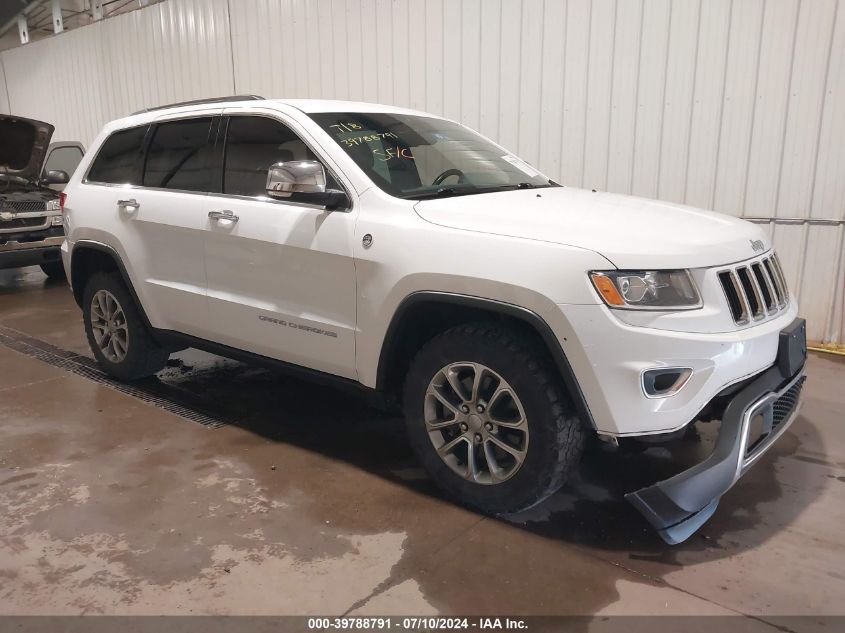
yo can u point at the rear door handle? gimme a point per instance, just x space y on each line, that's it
125 204
223 215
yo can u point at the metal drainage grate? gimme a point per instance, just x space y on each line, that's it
150 391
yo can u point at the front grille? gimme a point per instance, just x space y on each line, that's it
16 224
785 405
755 291
23 206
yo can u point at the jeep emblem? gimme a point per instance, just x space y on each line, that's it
757 245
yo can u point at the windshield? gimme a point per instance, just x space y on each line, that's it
418 157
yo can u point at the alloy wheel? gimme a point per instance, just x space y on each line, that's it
108 323
476 422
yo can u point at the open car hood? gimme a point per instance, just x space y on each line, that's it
23 146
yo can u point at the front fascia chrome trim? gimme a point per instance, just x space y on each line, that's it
744 463
675 388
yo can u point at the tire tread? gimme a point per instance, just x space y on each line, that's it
568 433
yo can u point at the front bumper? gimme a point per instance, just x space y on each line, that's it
754 419
609 356
14 254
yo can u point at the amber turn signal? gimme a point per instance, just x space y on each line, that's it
607 289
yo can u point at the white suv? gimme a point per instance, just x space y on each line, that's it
406 255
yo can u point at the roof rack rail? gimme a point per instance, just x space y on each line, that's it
201 101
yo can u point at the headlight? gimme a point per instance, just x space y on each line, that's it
647 289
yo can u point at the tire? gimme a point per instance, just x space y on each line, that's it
550 448
142 356
54 270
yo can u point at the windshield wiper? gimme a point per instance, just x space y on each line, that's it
443 192
446 192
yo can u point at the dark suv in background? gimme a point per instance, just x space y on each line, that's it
32 173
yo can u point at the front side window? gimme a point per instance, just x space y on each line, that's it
417 157
119 159
178 155
64 158
253 144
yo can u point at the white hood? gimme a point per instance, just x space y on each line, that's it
633 233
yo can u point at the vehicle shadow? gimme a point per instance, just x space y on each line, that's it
589 511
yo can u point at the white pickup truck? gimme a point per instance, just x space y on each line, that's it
408 256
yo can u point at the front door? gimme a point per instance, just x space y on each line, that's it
64 156
281 275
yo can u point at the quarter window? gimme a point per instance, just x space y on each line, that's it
119 158
178 155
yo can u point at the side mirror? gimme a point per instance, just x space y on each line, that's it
307 179
57 177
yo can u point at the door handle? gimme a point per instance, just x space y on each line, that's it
124 204
223 215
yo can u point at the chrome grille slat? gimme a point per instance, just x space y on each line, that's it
745 314
767 264
762 284
754 290
781 278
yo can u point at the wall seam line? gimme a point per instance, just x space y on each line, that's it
692 101
610 96
744 197
637 99
231 34
659 167
788 108
714 184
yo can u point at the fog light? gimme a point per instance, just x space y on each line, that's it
666 381
56 220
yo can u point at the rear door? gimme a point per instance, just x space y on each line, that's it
155 195
281 275
168 220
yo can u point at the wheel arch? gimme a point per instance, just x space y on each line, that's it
421 315
88 257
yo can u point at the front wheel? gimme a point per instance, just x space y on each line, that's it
117 335
488 419
54 270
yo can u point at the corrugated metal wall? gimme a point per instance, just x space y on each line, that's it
733 105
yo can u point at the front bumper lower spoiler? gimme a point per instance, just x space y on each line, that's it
753 420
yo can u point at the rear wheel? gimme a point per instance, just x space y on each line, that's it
121 343
54 270
488 419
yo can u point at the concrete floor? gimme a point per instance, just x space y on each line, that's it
304 501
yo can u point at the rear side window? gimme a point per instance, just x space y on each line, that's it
118 160
178 155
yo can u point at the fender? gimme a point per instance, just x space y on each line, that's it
528 317
111 252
